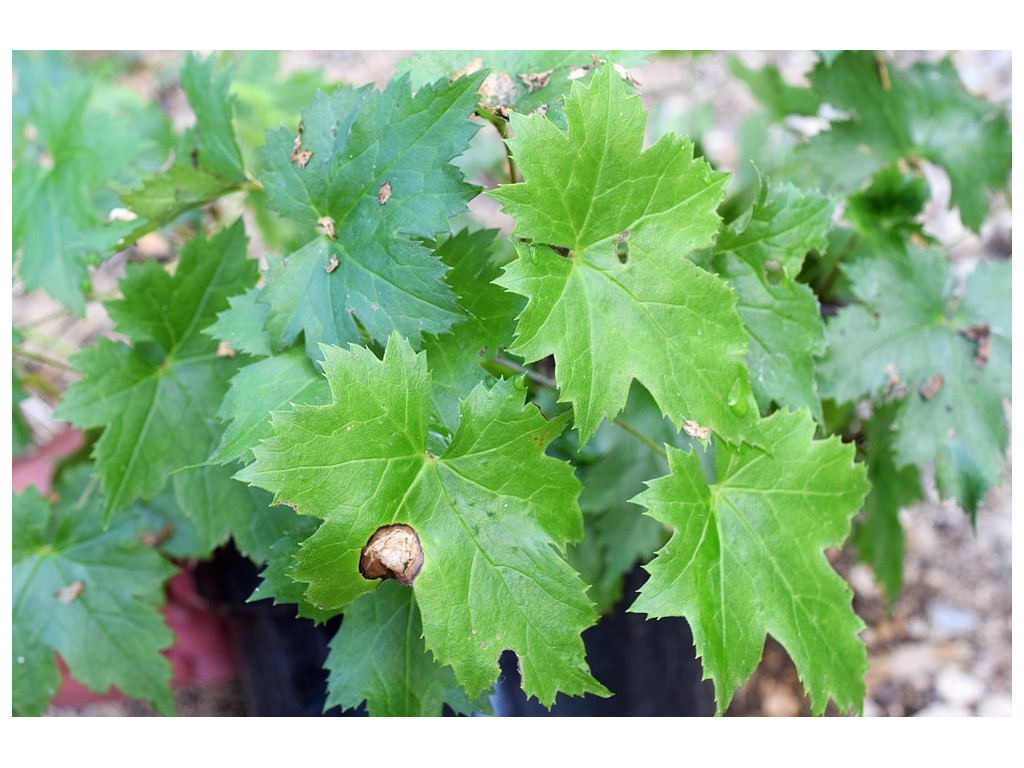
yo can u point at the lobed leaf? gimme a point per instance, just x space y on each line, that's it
493 514
368 176
91 594
604 233
746 558
156 400
906 340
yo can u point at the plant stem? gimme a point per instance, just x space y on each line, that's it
543 380
53 363
531 374
619 421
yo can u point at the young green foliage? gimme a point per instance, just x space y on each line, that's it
746 558
604 232
760 256
456 357
88 593
156 400
493 514
68 153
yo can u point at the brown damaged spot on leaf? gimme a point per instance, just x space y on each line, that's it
932 386
498 110
326 224
392 552
71 592
536 80
475 65
224 349
331 265
695 430
893 381
385 193
981 335
300 155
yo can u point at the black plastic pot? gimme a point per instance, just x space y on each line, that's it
649 665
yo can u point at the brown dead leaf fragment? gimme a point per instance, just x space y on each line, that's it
392 552
326 224
385 193
932 386
70 593
332 264
693 429
300 155
981 335
224 349
625 75
498 93
475 65
536 80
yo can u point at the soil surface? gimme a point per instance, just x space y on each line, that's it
944 646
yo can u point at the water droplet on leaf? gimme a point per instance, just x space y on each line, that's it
739 397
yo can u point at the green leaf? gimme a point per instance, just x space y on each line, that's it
90 594
878 536
761 256
769 87
378 657
623 302
492 513
455 357
746 558
889 210
67 154
922 112
156 400
519 81
276 583
208 164
378 180
617 534
260 388
907 338
242 325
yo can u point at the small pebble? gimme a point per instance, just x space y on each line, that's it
957 687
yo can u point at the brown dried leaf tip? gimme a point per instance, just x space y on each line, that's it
693 429
300 155
326 224
393 552
932 386
981 335
385 193
536 80
71 592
